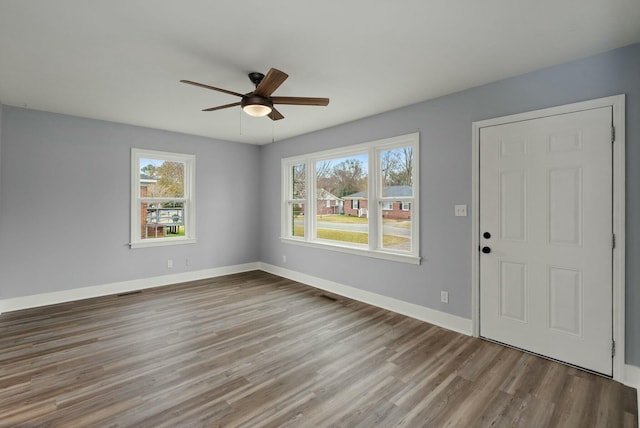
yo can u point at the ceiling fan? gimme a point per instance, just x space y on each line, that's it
260 103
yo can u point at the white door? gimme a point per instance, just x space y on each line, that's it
546 236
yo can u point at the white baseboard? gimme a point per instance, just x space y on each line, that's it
442 319
44 299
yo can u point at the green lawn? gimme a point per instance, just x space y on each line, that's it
343 219
343 236
354 237
389 240
404 224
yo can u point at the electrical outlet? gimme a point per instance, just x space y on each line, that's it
169 263
444 296
460 210
284 258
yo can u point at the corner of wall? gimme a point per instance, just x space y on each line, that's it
422 313
632 379
0 159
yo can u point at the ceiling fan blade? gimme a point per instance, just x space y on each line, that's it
275 115
202 85
301 101
270 82
221 107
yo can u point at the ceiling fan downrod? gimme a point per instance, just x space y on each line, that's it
256 78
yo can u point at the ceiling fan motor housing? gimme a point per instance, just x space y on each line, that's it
253 99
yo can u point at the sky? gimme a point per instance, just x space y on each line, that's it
154 162
362 158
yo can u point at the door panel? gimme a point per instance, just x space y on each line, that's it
565 300
513 205
546 200
513 290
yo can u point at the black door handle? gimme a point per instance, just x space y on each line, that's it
486 235
486 250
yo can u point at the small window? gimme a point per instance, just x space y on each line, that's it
162 198
387 206
406 206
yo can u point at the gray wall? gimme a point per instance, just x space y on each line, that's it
1 106
65 187
445 162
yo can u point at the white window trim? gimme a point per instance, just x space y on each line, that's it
189 219
374 192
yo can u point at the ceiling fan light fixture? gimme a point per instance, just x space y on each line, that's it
259 103
256 106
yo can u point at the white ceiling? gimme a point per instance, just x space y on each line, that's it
121 60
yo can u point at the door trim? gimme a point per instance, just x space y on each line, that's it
617 103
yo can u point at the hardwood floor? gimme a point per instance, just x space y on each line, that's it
257 350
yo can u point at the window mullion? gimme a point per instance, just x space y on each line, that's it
160 200
287 218
372 191
310 218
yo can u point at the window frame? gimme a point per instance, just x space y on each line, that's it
189 200
374 247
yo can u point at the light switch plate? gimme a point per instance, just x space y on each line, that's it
461 210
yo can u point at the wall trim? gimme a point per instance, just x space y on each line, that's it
439 318
617 102
44 299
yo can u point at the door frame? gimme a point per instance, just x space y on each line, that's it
617 102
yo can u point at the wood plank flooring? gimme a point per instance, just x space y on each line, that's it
257 350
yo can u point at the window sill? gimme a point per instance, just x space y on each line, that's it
396 257
161 242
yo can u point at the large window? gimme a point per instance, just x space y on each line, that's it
360 199
162 198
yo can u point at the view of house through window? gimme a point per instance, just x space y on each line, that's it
354 207
162 196
336 179
396 195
